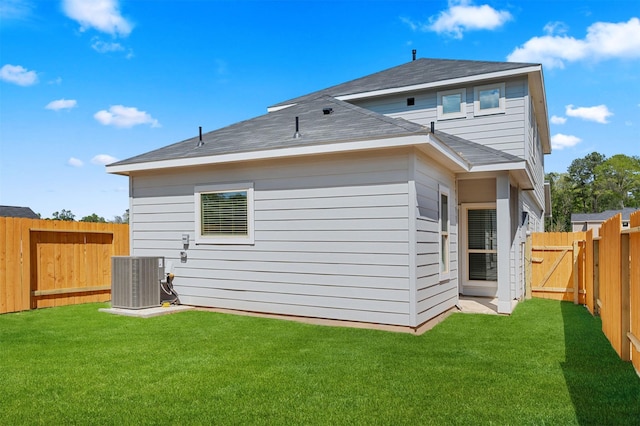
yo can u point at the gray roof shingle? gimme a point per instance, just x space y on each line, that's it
275 130
15 211
420 71
474 153
602 216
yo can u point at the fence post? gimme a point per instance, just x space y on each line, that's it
527 266
596 276
625 296
576 273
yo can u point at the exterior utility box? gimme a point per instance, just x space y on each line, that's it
135 281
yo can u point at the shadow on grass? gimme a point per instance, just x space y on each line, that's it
604 389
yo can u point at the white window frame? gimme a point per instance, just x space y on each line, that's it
230 239
444 253
488 111
463 104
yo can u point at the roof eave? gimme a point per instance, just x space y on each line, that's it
326 148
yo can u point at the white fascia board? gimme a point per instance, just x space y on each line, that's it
515 165
395 142
442 83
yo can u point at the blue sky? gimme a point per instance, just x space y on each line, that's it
84 82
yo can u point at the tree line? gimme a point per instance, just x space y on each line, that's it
67 215
593 184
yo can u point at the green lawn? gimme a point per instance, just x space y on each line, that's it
548 363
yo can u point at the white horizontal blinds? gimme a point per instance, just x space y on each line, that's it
224 213
482 244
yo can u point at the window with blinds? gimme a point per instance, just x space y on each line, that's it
482 244
224 214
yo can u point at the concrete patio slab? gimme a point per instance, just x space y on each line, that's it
478 305
147 312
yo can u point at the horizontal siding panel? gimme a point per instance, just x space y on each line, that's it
362 213
303 257
162 200
183 227
284 246
331 224
301 268
427 270
165 217
303 311
436 310
372 236
333 202
362 293
292 278
159 207
447 294
344 191
298 299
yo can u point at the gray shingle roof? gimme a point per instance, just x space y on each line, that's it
275 130
14 211
602 216
474 153
420 71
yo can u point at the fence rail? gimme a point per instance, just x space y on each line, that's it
601 273
52 263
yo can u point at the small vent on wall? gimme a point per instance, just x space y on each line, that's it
411 101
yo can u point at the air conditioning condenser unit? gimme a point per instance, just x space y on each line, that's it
135 281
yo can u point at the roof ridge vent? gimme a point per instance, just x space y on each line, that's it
327 111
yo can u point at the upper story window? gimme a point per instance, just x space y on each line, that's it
224 214
452 104
489 99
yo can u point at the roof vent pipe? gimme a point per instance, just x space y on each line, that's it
433 127
200 143
413 52
297 134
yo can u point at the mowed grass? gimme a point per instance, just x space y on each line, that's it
548 363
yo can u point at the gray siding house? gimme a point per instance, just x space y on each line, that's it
379 200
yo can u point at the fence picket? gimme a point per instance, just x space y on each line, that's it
65 262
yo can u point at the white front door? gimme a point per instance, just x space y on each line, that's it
479 245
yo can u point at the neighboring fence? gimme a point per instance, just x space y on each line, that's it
52 263
601 273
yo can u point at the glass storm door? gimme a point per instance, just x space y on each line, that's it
481 243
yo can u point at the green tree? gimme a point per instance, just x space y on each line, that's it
561 202
64 215
122 219
93 218
582 175
618 182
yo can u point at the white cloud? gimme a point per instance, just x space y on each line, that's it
598 113
103 159
122 116
74 162
604 40
463 16
104 47
19 75
102 15
560 141
558 120
61 104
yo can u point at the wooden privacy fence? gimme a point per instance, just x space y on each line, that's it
602 273
52 263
